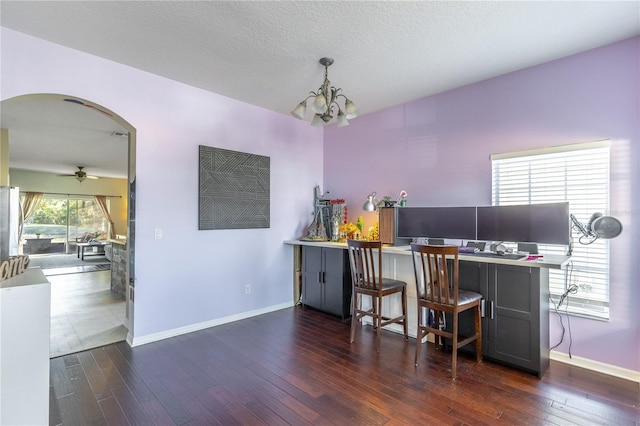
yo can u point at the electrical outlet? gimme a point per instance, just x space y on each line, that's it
158 234
247 289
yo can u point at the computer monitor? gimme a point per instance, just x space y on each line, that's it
534 223
436 222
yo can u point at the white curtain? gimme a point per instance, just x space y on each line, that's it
101 201
28 206
30 203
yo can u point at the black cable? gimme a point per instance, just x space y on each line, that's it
585 239
571 289
561 324
566 308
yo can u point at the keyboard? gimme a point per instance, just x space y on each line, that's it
468 249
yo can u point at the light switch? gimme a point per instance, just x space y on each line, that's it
158 234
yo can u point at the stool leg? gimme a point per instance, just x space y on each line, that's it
478 329
419 334
354 315
454 354
404 313
379 321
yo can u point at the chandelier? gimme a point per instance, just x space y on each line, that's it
325 101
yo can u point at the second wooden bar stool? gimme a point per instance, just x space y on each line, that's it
365 258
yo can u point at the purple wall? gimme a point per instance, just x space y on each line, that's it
438 150
189 277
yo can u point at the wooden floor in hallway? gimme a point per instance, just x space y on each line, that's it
296 366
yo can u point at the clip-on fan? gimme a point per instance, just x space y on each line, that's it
599 226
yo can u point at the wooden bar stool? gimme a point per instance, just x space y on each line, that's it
366 270
435 291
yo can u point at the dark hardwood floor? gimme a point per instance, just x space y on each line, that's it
296 366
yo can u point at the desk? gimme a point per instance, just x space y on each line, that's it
515 323
82 247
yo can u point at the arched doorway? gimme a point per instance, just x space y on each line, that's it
54 122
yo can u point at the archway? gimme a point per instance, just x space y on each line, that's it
86 110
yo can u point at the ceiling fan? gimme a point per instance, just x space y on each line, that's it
81 175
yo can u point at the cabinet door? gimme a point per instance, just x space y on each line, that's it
312 276
473 276
333 276
514 323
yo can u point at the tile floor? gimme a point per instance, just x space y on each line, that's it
84 312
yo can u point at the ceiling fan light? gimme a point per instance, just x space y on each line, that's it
299 111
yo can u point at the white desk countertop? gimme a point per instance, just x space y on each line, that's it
547 261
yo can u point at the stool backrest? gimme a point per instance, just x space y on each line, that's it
434 282
365 258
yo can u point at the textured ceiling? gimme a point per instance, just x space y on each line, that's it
386 53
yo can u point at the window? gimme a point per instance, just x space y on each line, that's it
60 221
578 174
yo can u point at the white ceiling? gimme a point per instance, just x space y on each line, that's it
266 53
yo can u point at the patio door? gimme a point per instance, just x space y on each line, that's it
60 222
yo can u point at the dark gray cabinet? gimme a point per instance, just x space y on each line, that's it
474 276
515 324
326 280
518 317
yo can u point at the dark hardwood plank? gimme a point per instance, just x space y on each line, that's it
131 408
55 418
89 410
97 381
113 413
297 366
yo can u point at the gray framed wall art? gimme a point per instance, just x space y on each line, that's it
234 189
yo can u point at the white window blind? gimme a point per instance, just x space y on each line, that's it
578 174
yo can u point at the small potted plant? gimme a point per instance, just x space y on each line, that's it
38 234
402 201
385 202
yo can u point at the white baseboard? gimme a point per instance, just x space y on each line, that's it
150 338
598 366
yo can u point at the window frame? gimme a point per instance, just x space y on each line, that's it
586 171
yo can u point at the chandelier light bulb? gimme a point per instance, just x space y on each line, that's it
342 119
319 104
317 121
298 111
351 109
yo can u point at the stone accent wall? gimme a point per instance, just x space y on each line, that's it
119 269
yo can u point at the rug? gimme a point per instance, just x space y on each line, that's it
59 264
